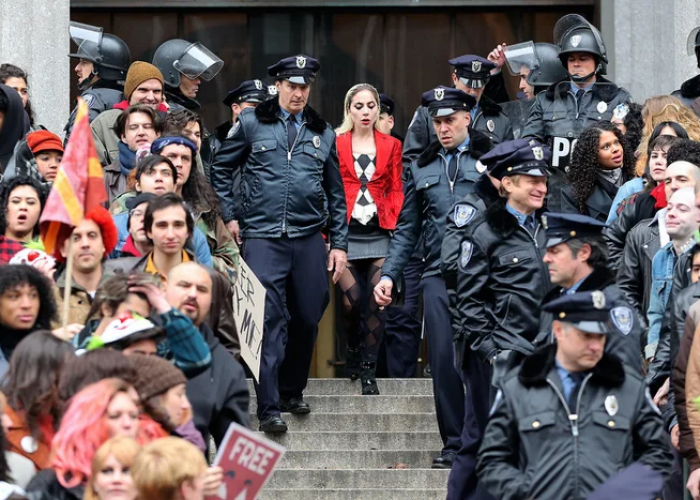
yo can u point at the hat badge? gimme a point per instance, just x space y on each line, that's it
439 94
258 84
598 299
575 40
301 62
476 66
272 90
538 152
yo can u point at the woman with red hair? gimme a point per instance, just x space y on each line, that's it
99 412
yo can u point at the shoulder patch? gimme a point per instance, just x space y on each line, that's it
467 247
496 402
622 317
89 99
463 214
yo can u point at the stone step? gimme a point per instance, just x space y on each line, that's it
359 478
343 386
352 494
323 441
365 404
357 459
378 422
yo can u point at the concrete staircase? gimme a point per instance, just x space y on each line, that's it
349 445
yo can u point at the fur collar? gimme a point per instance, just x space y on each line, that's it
536 367
503 221
603 92
484 189
269 112
599 279
488 106
691 88
221 132
479 145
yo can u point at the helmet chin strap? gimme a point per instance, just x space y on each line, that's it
581 79
85 83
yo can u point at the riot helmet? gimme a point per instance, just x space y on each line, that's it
179 57
108 53
574 34
548 68
694 44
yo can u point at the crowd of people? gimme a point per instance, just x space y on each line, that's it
551 257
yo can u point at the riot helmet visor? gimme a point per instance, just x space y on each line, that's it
519 56
693 41
198 62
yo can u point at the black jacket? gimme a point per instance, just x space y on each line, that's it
272 191
627 346
484 195
12 129
211 145
500 283
429 196
219 395
532 448
634 276
177 100
689 91
636 208
45 486
597 204
102 96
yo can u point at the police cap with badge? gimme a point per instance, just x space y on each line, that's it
560 228
586 311
248 91
518 157
300 69
473 71
386 104
444 101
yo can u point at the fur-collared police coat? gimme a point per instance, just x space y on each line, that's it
500 283
274 191
535 446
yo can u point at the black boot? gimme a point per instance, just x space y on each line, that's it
352 363
369 379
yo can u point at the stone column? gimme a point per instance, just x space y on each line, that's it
34 36
646 43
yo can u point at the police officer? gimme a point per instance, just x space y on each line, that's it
471 75
248 94
501 280
577 258
690 90
103 60
571 415
444 173
569 106
277 175
386 116
184 65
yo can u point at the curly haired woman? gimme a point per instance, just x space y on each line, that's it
600 165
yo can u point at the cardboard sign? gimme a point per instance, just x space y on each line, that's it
249 315
248 460
562 148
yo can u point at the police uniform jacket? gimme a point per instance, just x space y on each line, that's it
500 283
626 341
102 96
559 115
272 191
211 145
428 197
534 447
689 91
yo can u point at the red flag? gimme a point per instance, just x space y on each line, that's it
78 188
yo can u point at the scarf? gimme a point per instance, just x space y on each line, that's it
614 176
659 194
127 158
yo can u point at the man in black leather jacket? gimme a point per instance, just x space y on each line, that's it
277 176
571 415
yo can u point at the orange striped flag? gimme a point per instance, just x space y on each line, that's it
78 188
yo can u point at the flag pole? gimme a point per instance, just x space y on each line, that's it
68 284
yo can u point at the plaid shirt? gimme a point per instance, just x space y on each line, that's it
8 249
183 343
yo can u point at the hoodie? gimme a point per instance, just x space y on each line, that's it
12 128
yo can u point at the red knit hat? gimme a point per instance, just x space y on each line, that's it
100 216
43 140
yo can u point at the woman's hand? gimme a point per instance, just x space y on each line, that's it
213 477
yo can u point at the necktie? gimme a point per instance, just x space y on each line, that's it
579 95
573 396
452 166
291 131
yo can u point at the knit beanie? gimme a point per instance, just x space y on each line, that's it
139 72
156 375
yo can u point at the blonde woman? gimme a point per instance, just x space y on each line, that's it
370 165
111 476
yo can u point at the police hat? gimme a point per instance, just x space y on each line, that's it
444 101
518 157
386 104
473 71
299 69
587 311
560 228
248 91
